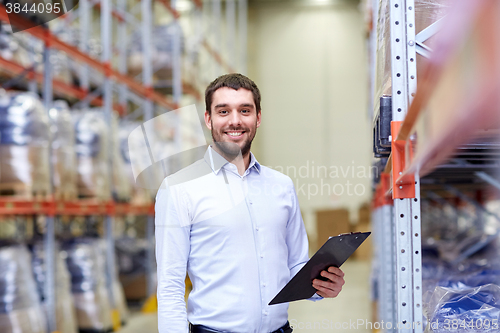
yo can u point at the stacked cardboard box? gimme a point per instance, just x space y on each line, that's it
331 223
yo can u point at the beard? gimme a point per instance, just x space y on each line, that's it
232 150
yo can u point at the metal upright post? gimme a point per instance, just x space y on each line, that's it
49 236
242 34
176 60
216 30
84 12
231 32
122 60
147 78
406 210
108 109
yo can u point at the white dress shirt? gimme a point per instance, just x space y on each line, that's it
240 239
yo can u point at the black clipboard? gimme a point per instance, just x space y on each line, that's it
334 252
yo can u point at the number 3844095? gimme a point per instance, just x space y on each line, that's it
472 324
36 8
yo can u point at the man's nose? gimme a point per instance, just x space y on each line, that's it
235 118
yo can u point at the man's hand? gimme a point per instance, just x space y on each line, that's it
333 286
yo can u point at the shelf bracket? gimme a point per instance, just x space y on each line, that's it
402 188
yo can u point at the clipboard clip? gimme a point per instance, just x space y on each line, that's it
351 233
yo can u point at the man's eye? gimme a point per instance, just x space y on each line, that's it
223 111
245 111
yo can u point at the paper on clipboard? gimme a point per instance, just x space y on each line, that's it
334 252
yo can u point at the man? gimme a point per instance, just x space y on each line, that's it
234 226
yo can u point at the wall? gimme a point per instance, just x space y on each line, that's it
310 63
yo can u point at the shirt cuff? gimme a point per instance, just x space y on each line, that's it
315 298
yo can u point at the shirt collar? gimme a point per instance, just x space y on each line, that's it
216 161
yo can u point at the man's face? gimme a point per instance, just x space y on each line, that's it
234 120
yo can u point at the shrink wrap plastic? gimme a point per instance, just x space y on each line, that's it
464 309
92 146
63 150
139 193
161 51
65 310
24 142
426 13
86 258
88 284
20 309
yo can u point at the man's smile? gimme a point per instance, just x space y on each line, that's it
235 134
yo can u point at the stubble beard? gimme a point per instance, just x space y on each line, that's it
232 150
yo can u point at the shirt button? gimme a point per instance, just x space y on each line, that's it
263 285
257 229
262 256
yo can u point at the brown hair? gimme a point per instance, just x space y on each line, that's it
234 81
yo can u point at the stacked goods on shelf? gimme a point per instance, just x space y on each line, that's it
118 293
132 260
88 284
24 145
92 146
65 311
140 193
461 271
122 187
20 309
11 46
63 152
426 13
86 259
161 51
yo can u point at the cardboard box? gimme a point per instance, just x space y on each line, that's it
364 252
331 223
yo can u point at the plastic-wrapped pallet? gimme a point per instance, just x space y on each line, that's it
118 294
24 145
426 13
161 51
20 309
63 151
464 310
12 48
92 147
140 193
65 310
88 284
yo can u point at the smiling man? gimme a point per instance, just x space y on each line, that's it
233 225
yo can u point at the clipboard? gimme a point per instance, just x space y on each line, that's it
334 252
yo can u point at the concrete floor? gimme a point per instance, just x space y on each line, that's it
349 312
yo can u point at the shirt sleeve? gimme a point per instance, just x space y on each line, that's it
296 239
172 252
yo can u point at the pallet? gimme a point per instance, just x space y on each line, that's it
24 191
65 194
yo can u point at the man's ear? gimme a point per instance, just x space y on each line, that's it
208 123
258 118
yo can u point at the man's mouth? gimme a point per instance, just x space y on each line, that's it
234 134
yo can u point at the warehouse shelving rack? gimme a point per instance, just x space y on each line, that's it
398 220
396 202
112 65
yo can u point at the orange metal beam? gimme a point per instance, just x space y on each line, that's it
216 56
16 206
167 5
14 68
52 41
400 158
